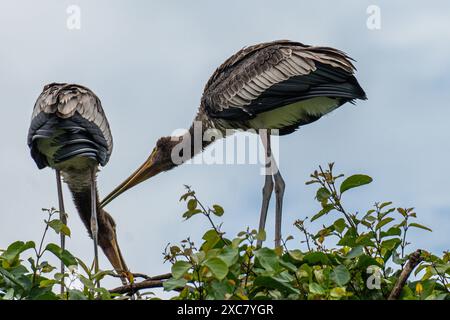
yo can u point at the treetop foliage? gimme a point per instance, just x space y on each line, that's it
370 257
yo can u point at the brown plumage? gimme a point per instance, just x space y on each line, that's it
270 87
69 133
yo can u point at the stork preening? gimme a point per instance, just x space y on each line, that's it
69 133
280 86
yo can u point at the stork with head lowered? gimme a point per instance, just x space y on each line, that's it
275 86
69 133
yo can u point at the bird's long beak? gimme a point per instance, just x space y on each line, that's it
144 172
112 252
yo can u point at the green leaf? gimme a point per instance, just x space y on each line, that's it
65 256
402 212
349 238
218 267
339 225
296 254
338 292
340 275
383 223
104 293
322 194
275 282
392 231
86 282
316 258
211 238
316 288
397 260
229 255
365 239
290 266
219 290
173 284
364 261
59 227
11 277
188 214
416 225
355 181
76 295
102 274
83 266
218 210
327 208
212 253
187 195
355 252
385 204
305 271
192 204
261 235
179 269
391 243
198 257
47 283
267 258
14 250
9 295
46 267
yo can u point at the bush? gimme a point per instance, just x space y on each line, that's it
368 259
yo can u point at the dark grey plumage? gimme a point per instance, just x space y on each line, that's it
72 117
268 76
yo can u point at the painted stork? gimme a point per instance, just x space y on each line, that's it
278 85
69 133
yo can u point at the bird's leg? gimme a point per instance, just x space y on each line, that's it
267 193
63 218
272 170
279 193
268 184
94 222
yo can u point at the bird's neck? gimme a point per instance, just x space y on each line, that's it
79 183
194 141
82 201
78 180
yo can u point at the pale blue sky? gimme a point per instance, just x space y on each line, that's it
148 62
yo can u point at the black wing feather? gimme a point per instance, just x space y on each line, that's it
75 137
325 81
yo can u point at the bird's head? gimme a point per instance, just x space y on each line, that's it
160 160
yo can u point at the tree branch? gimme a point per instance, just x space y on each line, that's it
150 282
413 261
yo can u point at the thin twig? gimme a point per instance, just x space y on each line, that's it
39 253
414 259
131 288
207 214
144 276
441 277
149 282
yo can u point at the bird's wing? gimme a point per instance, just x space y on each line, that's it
64 101
270 75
